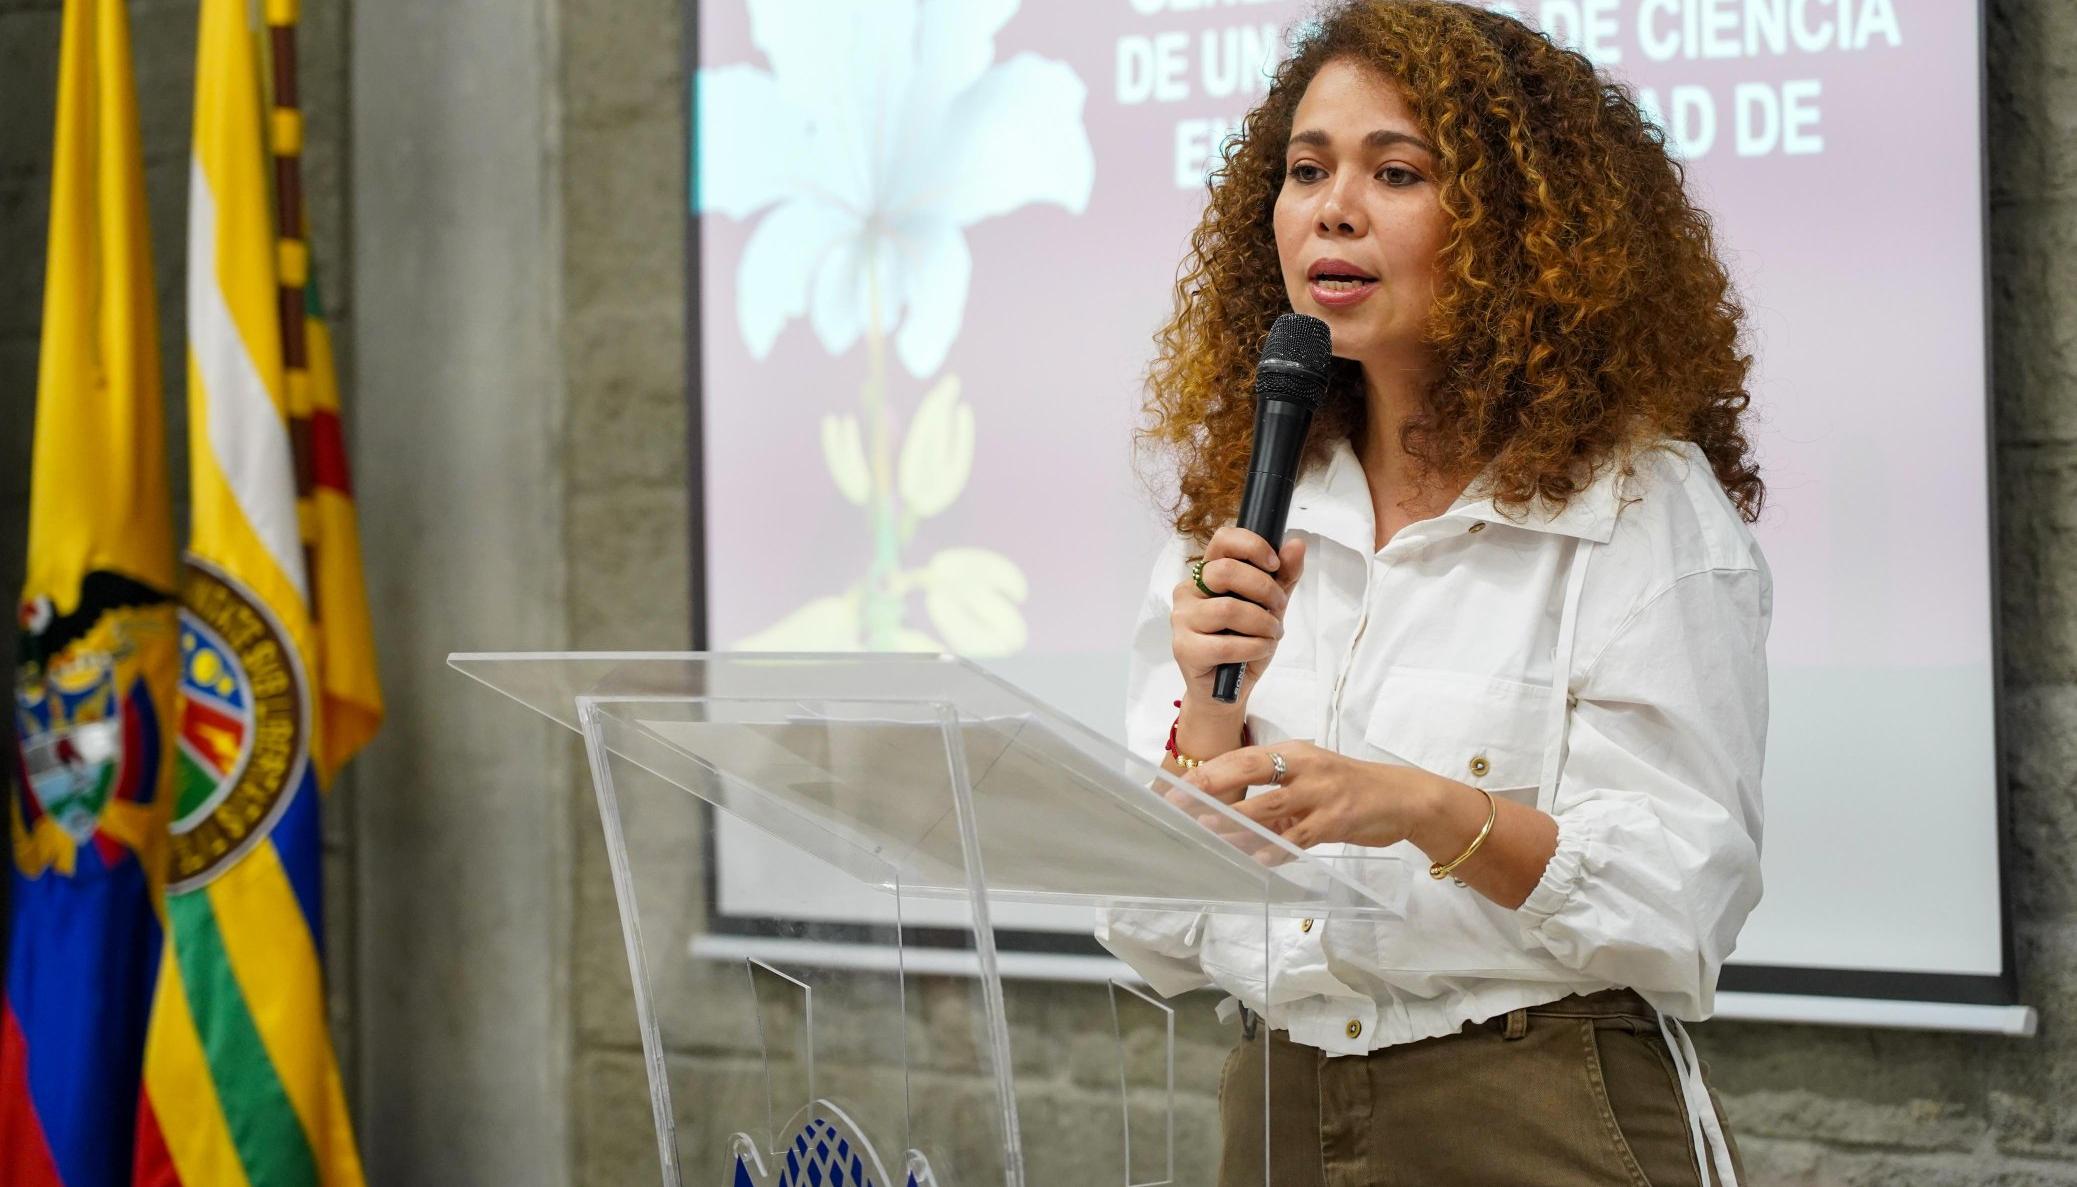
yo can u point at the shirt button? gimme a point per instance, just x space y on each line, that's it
1305 925
1479 765
1354 1029
1480 526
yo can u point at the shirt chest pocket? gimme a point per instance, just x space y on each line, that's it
1484 731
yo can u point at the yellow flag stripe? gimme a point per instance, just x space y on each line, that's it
278 968
352 690
182 1092
98 475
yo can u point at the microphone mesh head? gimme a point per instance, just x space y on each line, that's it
1296 359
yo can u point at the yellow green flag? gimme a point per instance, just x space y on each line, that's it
241 1083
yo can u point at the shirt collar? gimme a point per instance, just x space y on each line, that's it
1332 500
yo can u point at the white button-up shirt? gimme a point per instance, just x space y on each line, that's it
1626 697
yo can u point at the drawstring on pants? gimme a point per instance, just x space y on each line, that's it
1703 1128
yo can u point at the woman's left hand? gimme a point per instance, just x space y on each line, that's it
1324 797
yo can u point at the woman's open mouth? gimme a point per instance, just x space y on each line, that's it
1336 283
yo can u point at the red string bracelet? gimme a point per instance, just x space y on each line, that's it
1247 738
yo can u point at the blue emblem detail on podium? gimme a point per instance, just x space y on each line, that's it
827 1151
821 1157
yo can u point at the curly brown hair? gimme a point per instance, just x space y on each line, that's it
1580 307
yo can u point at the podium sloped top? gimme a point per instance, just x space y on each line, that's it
901 769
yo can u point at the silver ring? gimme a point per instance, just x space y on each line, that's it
1276 762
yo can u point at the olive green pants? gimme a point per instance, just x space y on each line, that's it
1576 1093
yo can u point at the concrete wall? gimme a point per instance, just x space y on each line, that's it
496 186
462 442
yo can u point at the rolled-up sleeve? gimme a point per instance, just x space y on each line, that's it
1658 804
1161 946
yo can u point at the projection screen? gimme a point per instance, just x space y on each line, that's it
929 244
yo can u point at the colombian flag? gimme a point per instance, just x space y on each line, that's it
93 682
277 682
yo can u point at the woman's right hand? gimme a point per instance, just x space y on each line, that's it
1241 563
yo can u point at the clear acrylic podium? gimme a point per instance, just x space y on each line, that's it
886 816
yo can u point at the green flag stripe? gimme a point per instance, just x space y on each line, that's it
264 1127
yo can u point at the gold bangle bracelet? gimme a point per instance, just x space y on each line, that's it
1439 871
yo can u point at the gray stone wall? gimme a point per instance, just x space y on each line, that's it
501 249
630 506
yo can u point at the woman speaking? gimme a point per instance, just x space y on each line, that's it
1515 635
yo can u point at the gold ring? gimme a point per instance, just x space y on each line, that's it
1197 575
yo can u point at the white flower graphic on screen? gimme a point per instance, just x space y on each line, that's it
883 129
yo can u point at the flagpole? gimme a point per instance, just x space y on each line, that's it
285 135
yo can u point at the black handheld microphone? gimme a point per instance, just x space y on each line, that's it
1289 382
